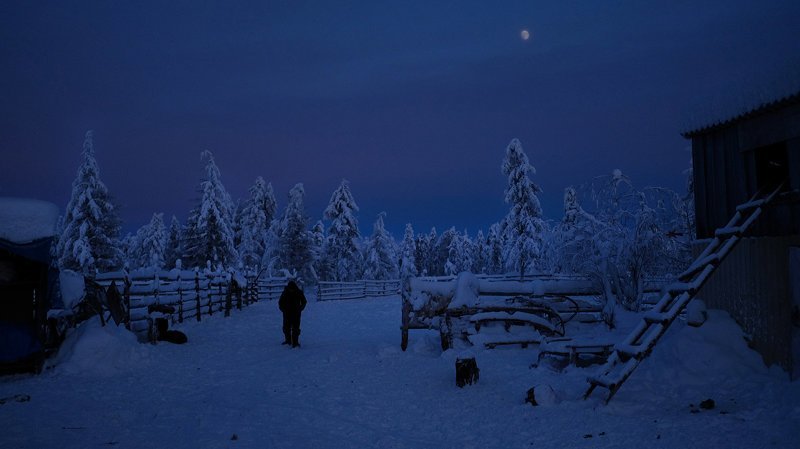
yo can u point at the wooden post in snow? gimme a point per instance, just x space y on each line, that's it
197 310
180 298
209 280
127 297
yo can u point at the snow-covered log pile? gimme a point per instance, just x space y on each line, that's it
185 294
438 302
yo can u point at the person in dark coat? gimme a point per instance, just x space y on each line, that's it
292 303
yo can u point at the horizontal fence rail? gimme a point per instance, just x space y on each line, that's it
330 291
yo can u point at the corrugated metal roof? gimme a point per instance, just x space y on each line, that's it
757 110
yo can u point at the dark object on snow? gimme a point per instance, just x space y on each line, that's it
164 334
16 398
467 372
176 337
292 303
546 395
162 308
708 404
531 397
234 437
115 304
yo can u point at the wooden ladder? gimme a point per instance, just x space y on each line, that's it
628 354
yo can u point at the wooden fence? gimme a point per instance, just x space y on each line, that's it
190 293
329 291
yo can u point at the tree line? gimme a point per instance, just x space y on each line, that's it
610 230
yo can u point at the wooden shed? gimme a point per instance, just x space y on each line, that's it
759 283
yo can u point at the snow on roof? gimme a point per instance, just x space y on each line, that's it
24 220
745 112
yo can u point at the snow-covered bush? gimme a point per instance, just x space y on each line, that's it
625 236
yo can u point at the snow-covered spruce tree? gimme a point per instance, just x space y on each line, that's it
255 218
153 243
129 246
494 250
422 256
480 254
236 223
408 249
342 248
442 251
89 242
523 226
173 249
318 250
381 257
293 239
209 232
459 256
468 255
271 260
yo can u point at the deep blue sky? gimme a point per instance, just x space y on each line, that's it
413 102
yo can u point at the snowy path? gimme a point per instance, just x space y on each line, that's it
351 386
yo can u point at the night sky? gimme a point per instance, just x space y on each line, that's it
412 102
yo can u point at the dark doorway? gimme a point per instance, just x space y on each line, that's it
772 166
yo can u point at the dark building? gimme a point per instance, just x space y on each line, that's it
759 282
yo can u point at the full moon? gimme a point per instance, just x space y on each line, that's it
525 35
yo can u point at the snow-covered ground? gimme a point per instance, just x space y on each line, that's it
233 385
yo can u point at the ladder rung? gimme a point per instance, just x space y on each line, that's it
725 232
750 205
698 266
630 351
678 287
654 317
613 375
751 219
602 381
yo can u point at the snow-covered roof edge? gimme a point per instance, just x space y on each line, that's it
759 109
24 220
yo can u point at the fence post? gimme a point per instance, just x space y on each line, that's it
127 296
238 296
197 292
210 297
180 298
219 289
155 286
228 297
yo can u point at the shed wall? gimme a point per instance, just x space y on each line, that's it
752 284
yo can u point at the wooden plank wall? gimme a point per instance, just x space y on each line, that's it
752 284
